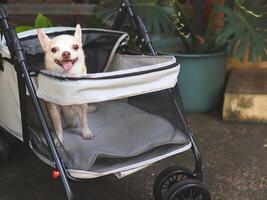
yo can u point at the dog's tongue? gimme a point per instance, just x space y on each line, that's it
67 65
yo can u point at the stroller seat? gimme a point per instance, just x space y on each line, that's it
126 137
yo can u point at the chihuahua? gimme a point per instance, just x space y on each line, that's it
64 54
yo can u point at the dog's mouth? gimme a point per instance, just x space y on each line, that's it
66 63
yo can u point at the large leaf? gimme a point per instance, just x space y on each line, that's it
155 16
23 28
42 21
244 29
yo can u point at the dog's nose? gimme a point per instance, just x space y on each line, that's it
66 54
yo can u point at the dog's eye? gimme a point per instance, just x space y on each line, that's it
75 46
54 49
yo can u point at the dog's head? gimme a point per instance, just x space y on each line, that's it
63 53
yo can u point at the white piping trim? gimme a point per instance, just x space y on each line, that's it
171 61
115 48
5 52
82 174
17 135
87 174
41 157
92 91
62 28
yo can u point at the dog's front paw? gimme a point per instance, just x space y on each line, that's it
87 134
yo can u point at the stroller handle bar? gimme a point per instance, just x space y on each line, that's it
141 34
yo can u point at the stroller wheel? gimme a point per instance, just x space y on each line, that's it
167 178
3 150
189 189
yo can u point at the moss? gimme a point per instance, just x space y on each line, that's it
245 102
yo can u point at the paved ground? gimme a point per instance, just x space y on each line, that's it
234 156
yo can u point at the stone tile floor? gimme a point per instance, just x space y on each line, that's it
234 164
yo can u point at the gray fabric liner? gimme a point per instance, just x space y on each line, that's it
103 165
121 131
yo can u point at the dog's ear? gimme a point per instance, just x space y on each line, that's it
78 33
43 38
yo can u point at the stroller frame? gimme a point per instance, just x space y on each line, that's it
24 81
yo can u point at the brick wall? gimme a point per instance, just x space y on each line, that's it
64 20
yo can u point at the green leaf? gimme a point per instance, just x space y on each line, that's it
241 49
42 21
223 36
231 46
23 28
244 29
155 16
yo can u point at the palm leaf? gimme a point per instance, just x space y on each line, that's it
155 16
244 29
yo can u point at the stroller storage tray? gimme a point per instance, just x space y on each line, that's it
124 135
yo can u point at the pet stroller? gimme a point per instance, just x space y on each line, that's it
139 120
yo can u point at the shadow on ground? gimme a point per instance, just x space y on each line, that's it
234 164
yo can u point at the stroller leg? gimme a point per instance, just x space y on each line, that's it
179 108
142 38
122 14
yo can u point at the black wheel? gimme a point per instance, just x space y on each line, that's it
167 178
3 149
189 189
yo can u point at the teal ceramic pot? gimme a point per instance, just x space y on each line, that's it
201 80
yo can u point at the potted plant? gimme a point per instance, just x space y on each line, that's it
203 42
162 18
203 62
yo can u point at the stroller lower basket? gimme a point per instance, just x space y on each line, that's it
124 136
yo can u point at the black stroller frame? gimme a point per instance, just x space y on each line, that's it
24 81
